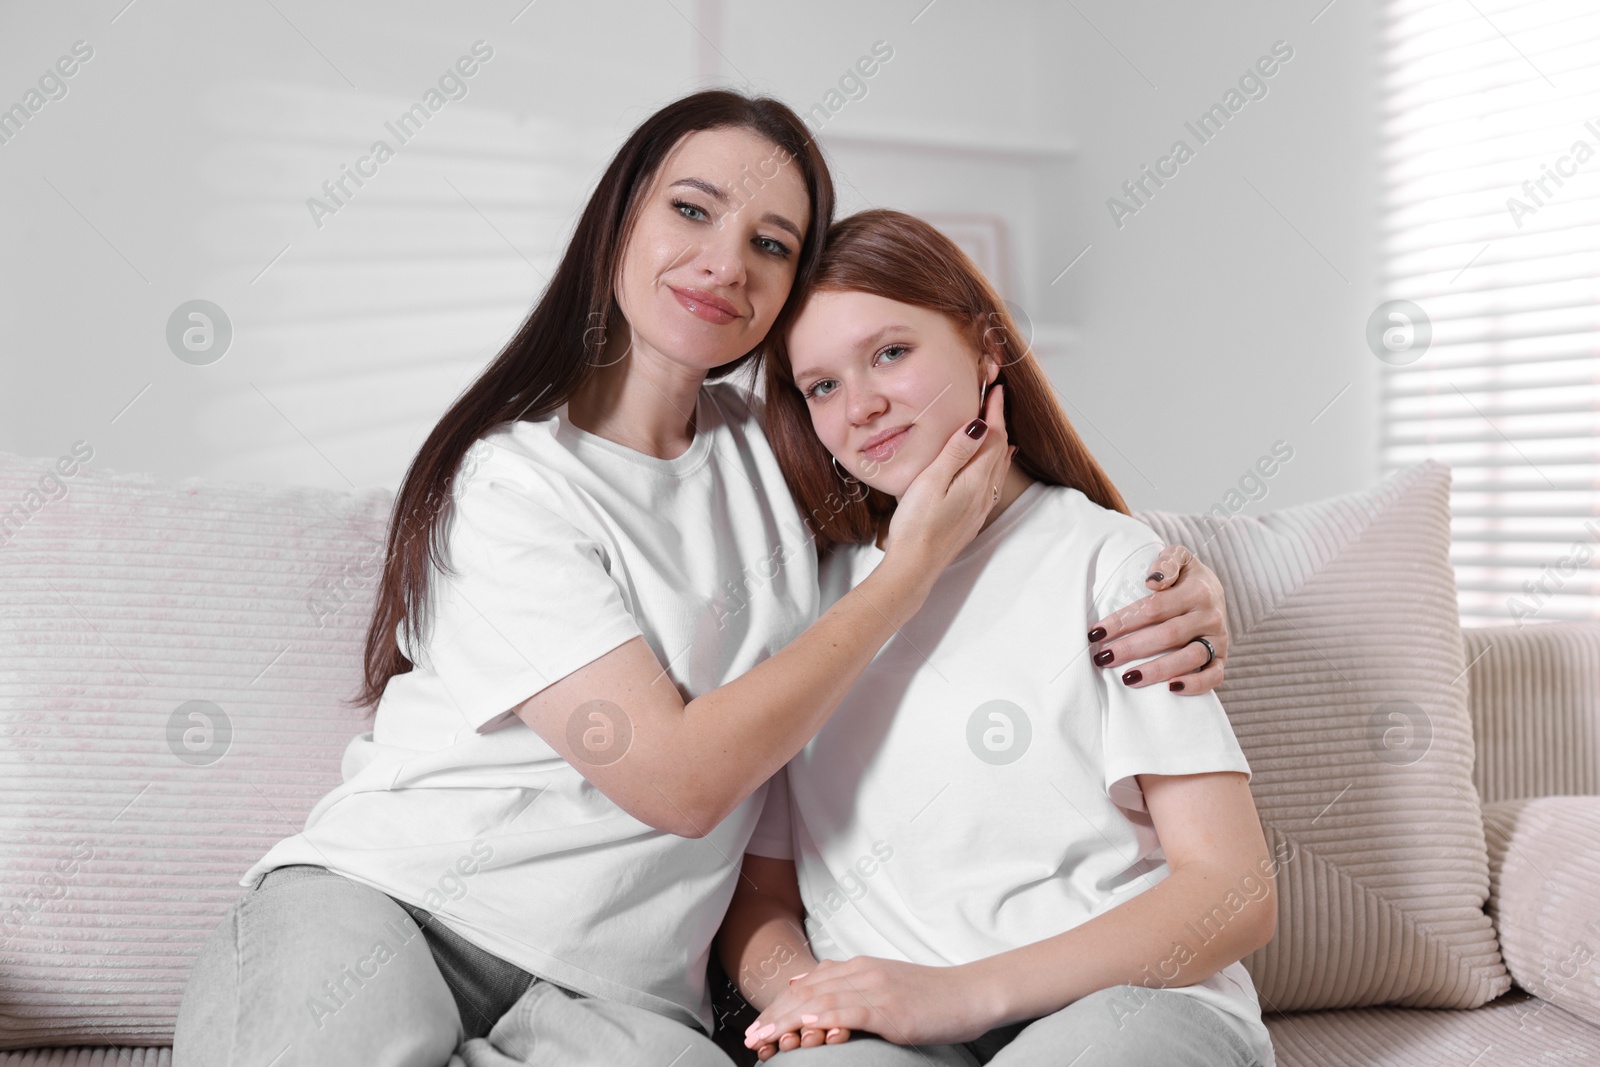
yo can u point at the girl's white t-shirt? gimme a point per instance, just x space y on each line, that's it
975 792
565 545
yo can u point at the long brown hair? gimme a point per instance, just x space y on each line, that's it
557 348
900 257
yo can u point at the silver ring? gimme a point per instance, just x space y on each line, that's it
1212 654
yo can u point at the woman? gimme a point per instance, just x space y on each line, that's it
596 636
997 856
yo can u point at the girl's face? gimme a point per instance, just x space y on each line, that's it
886 383
713 253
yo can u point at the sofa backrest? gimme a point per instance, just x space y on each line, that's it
175 657
1535 700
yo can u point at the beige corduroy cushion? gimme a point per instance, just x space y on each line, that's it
173 661
1346 686
1544 878
105 1056
1514 1031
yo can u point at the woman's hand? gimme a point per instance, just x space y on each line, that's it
945 506
805 1037
1188 603
904 1003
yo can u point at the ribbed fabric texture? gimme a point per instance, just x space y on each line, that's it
127 815
88 1057
1515 1031
1544 869
1346 688
1536 709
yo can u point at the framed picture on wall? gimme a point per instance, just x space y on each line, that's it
983 237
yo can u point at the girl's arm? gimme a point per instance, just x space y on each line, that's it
1216 906
762 943
684 765
1220 888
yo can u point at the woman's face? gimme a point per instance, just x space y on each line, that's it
886 383
713 253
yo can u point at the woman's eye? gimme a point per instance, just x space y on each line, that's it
681 204
773 245
892 348
813 392
696 213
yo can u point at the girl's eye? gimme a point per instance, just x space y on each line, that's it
812 394
892 348
681 204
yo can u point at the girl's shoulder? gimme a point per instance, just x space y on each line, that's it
1092 518
1104 538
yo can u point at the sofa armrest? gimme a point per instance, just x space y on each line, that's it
1544 864
1534 694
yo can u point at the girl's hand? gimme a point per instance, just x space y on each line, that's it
1188 603
945 506
903 1003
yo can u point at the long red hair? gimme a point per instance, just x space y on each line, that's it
900 257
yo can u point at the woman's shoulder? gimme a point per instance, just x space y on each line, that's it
740 404
514 460
514 447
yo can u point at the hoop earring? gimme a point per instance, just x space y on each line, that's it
983 391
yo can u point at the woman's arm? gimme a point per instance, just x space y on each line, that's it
685 765
1188 602
1219 885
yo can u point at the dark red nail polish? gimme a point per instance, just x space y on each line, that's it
975 428
1097 633
1102 659
1132 677
1155 576
1176 687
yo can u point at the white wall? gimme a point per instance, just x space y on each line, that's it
179 163
1230 310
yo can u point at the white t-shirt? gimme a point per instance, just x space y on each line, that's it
566 545
975 791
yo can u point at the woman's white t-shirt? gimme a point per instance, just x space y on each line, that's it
975 792
565 545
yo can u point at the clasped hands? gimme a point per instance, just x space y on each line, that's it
904 1003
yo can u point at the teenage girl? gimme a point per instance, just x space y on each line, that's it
990 850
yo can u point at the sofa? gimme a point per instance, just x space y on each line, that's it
177 657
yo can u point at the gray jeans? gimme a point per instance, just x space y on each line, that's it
311 968
1108 1028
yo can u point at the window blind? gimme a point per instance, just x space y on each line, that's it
1490 330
